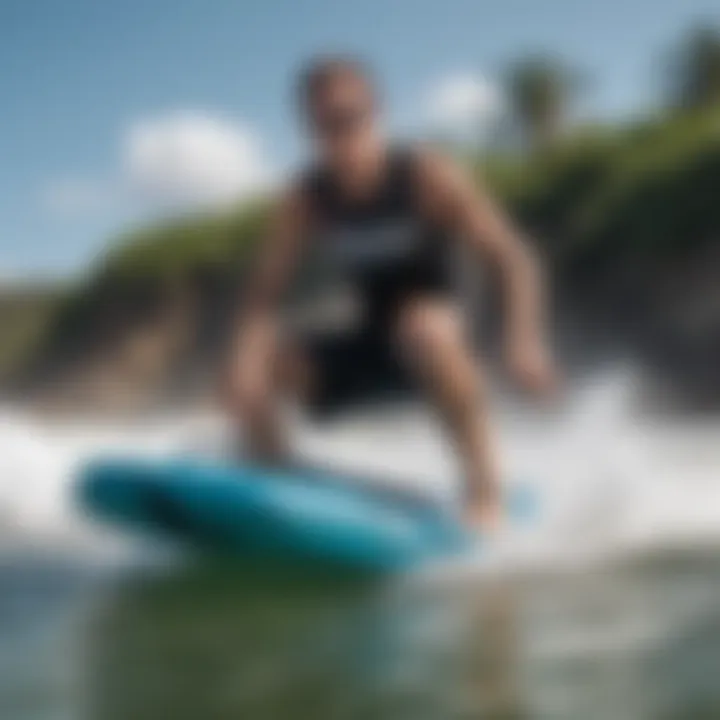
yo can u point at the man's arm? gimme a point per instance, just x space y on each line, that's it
469 212
275 266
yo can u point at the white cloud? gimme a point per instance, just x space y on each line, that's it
463 103
181 159
195 159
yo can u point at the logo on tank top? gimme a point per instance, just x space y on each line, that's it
372 243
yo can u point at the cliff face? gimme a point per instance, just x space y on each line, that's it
681 332
131 344
627 219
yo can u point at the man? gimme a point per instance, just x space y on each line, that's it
386 218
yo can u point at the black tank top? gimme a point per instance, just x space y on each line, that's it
383 243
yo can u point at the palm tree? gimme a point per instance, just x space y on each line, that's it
695 77
539 90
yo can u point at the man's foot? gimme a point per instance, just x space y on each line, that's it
486 516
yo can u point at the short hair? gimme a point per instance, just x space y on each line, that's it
319 72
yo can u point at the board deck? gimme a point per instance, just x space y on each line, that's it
316 514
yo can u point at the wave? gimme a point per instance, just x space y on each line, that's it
612 481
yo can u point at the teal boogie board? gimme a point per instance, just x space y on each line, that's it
318 515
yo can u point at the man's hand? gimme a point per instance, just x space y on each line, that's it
532 366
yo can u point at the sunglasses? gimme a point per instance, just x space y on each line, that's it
340 122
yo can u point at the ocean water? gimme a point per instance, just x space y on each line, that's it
609 607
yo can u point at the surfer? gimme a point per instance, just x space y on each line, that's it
386 218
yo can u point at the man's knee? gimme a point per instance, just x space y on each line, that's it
427 327
434 341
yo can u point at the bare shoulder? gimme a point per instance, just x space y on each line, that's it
291 206
434 167
442 181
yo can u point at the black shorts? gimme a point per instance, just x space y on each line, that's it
352 369
364 365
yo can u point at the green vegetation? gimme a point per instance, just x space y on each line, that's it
185 246
646 190
25 315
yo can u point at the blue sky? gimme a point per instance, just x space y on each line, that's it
98 97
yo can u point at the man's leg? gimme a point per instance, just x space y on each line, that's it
433 342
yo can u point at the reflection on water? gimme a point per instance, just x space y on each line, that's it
641 641
229 643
